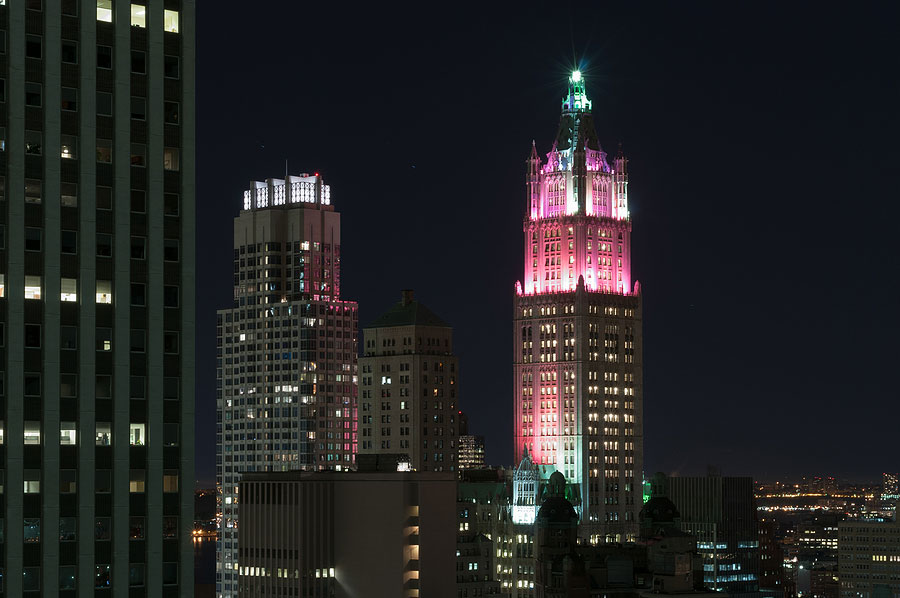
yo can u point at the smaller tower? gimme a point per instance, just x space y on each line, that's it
526 489
559 569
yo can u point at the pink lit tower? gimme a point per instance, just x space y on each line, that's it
577 335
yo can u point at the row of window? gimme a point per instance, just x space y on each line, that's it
137 435
31 576
69 291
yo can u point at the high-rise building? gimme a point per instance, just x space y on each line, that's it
720 512
408 383
577 326
363 533
869 559
286 354
97 297
471 451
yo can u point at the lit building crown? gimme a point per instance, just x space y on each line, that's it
578 225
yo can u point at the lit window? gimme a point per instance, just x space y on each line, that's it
2 285
104 291
68 289
170 481
104 11
136 435
104 434
32 287
138 15
137 480
67 433
68 147
171 21
171 158
32 481
32 432
1 432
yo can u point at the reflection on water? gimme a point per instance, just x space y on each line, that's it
204 560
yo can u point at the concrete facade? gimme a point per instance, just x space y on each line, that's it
97 297
869 559
348 534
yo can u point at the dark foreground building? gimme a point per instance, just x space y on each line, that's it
97 297
348 534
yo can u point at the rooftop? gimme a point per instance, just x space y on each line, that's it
408 312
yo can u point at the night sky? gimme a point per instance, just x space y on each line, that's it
763 162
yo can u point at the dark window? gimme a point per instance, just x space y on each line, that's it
138 108
33 46
69 241
32 385
138 62
170 342
170 204
104 103
170 296
33 94
171 113
170 250
69 51
104 198
70 7
33 239
33 336
69 99
138 294
138 201
68 337
104 57
138 340
171 67
138 248
104 245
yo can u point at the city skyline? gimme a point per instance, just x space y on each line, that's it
761 327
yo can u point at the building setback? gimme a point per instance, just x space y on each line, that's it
408 385
97 297
286 354
577 337
348 534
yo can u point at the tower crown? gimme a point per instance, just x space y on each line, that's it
576 100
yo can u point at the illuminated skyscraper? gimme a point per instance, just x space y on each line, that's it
96 298
286 354
577 331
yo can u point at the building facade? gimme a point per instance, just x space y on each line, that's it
96 297
577 326
869 559
287 347
348 534
471 451
408 388
720 512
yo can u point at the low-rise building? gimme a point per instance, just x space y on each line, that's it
869 559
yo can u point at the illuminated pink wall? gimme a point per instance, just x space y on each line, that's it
578 227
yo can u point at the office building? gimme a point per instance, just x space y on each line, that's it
471 451
97 297
720 512
408 387
348 534
869 559
286 353
577 326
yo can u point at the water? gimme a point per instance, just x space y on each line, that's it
204 566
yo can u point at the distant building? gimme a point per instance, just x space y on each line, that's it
286 348
348 534
869 559
471 452
890 486
721 513
771 561
408 387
